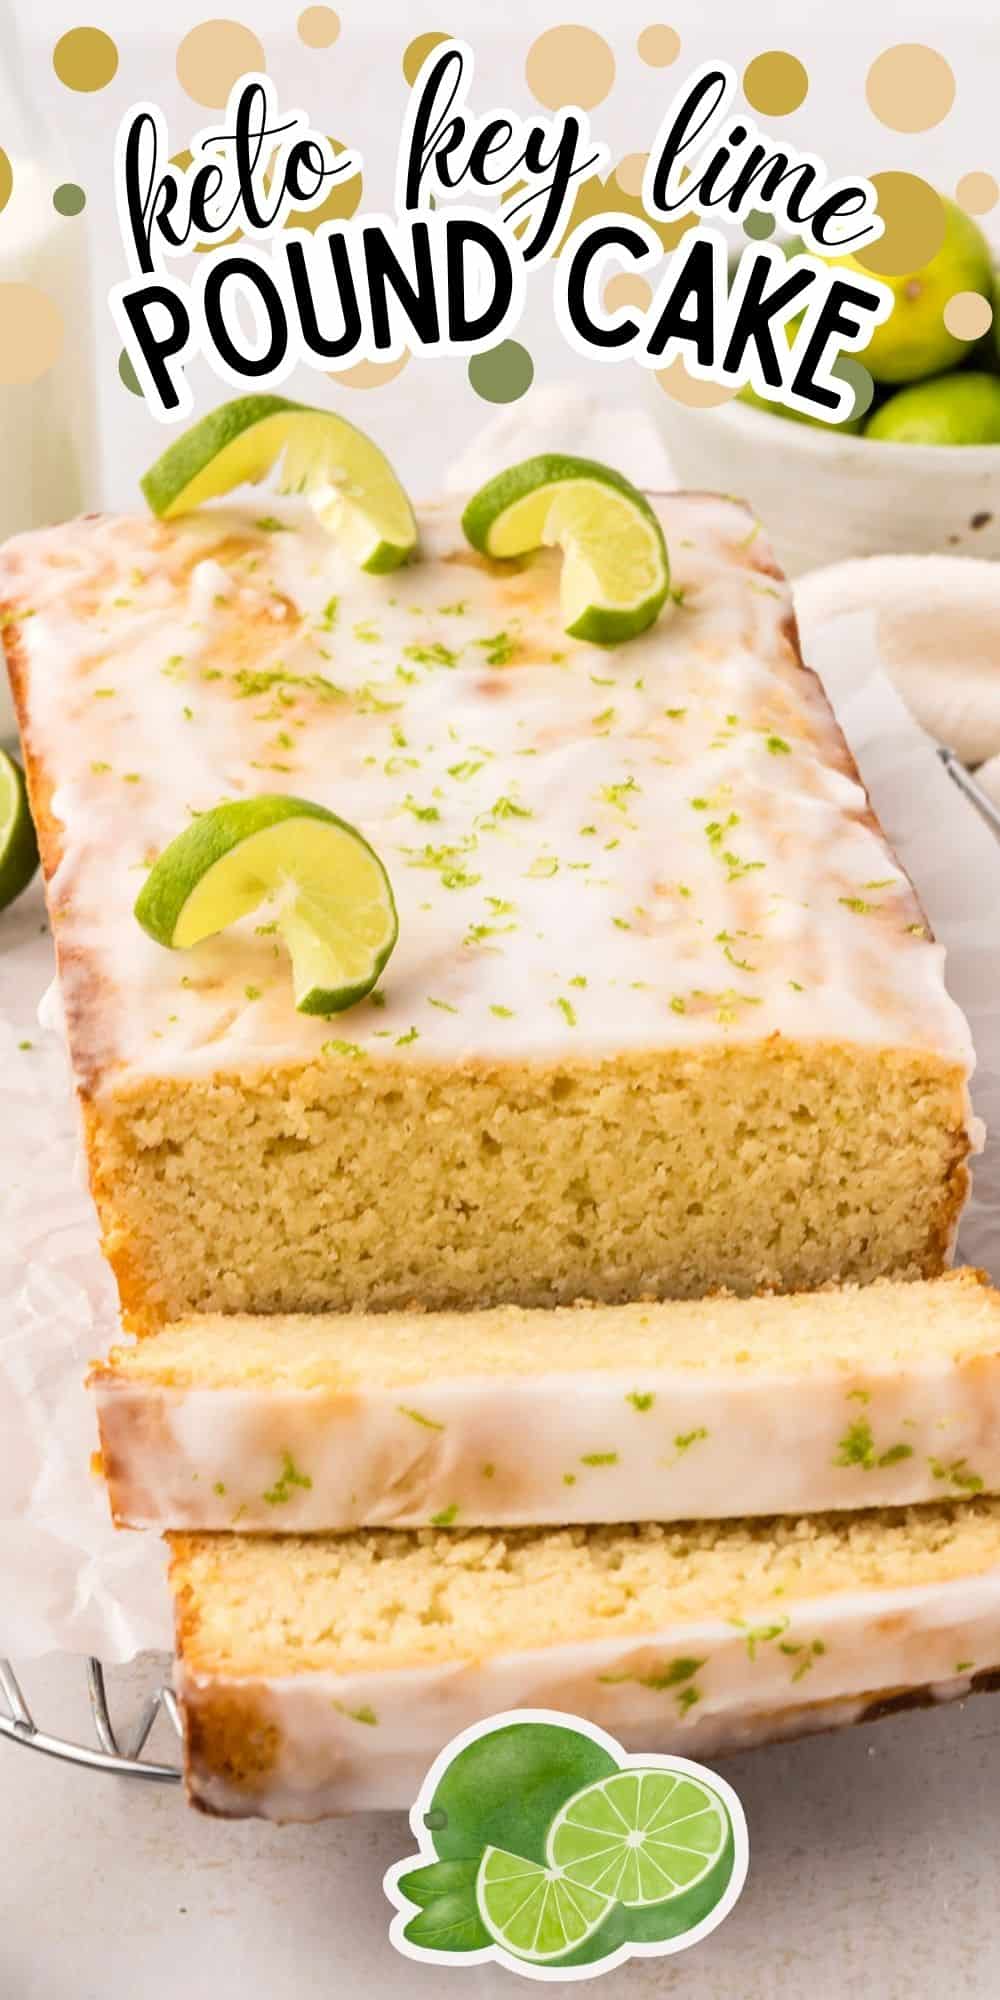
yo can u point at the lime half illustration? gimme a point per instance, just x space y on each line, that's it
534 1912
640 1837
615 575
329 892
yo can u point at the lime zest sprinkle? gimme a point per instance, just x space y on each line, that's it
280 1493
778 747
641 1399
685 1439
502 1013
412 1035
615 795
365 1713
499 649
418 1417
434 655
446 1516
857 1446
599 1458
445 1005
340 1048
958 1473
759 1635
567 1010
856 903
508 808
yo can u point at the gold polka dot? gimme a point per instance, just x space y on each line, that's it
690 390
341 202
914 219
659 45
629 172
910 87
85 59
775 83
6 179
570 66
318 27
626 288
31 333
416 52
371 374
977 193
211 58
968 315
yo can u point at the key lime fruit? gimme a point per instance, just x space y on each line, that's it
347 479
18 845
330 895
914 341
615 572
951 409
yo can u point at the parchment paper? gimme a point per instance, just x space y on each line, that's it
67 1580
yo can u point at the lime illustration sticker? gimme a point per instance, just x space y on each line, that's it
547 1848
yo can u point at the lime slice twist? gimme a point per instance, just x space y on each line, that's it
18 845
331 897
533 1911
640 1837
615 574
348 480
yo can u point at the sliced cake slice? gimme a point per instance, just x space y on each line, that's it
882 1396
324 1675
664 1015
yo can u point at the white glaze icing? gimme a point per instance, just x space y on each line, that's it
786 1668
641 1444
657 846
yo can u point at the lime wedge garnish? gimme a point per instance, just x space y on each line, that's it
18 845
348 480
642 1836
533 1911
615 575
330 895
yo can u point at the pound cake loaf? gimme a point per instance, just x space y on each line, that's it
321 1675
664 1015
799 1403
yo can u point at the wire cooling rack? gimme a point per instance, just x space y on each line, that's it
115 1750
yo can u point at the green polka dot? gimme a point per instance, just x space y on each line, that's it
502 374
69 199
850 370
128 375
758 225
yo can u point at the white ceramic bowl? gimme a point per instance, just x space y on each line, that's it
823 497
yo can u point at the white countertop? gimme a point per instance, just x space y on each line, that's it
872 1873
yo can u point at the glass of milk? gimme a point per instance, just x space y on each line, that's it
47 427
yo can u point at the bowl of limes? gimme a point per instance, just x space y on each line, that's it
916 471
